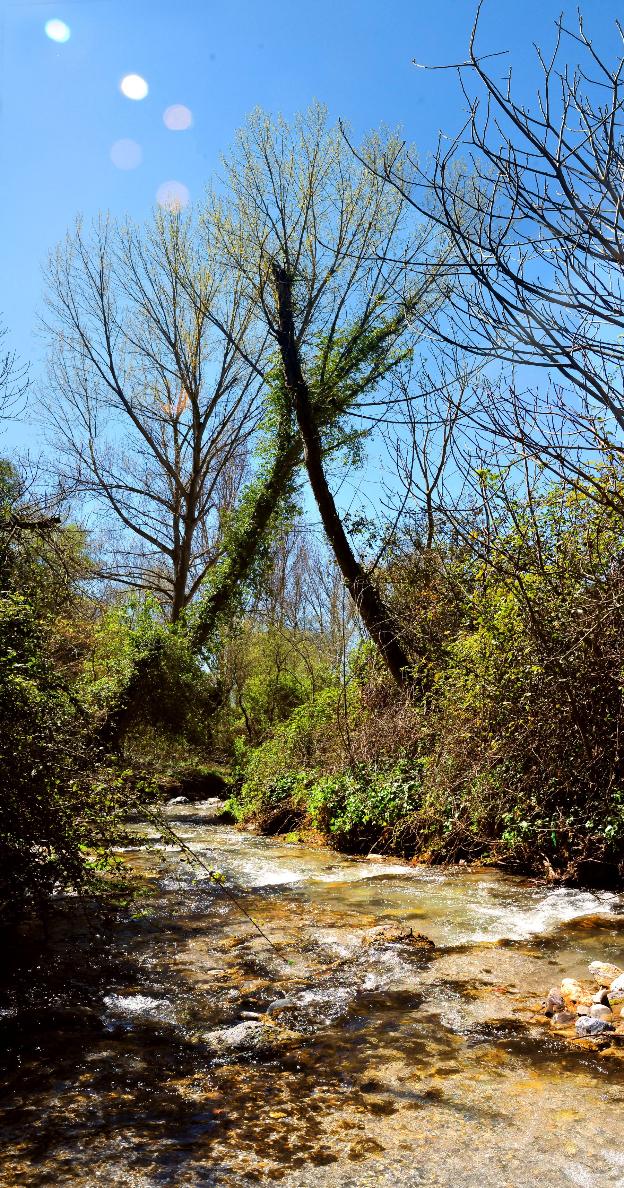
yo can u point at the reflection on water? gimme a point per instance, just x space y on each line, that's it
409 1069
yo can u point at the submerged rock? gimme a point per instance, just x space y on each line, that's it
398 934
252 1036
279 1005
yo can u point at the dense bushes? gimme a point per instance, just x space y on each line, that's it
58 814
267 672
60 808
155 698
512 750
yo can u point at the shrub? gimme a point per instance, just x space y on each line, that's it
58 818
512 750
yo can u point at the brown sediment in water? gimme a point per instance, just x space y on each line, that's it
412 1067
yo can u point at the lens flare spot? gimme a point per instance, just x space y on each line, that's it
173 195
177 118
126 154
133 86
57 30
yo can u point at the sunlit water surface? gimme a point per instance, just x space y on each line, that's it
409 1068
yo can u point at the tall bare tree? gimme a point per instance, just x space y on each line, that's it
13 380
152 407
326 254
531 198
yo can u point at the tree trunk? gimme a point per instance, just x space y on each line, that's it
245 548
376 616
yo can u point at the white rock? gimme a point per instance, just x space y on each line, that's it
570 988
599 1011
586 1026
617 985
604 972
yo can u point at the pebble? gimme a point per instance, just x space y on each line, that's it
591 1016
253 1035
280 1004
397 934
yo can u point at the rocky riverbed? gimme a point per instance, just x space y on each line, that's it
591 1011
385 1027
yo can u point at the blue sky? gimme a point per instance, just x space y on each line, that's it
62 110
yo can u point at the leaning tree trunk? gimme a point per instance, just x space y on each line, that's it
247 541
376 616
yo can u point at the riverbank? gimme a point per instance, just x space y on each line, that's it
400 841
391 1063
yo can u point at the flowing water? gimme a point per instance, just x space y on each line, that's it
406 1066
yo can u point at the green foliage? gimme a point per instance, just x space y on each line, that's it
366 802
174 695
60 808
57 818
513 750
271 773
284 778
267 503
270 672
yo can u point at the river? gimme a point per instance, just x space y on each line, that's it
396 1065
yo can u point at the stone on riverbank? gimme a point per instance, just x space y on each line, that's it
572 991
600 1011
586 1015
616 989
588 1026
604 973
563 1018
554 1002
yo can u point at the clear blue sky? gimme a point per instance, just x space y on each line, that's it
62 110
